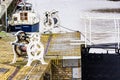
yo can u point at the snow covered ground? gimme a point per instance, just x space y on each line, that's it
72 12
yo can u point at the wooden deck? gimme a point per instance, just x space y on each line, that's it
60 44
56 46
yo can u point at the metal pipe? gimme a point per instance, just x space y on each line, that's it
115 28
77 44
102 47
76 41
90 31
85 34
106 44
6 22
118 33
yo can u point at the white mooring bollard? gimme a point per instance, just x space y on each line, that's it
35 50
51 21
33 47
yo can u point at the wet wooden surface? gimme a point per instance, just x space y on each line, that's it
58 46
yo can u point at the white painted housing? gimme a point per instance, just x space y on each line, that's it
24 15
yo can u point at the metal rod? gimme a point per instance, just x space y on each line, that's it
115 28
118 33
107 44
28 74
85 34
76 44
6 17
48 43
102 47
104 17
77 41
90 31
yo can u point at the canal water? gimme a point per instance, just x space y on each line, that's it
76 14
